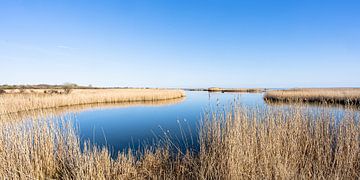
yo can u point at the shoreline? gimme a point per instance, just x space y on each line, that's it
38 113
15 103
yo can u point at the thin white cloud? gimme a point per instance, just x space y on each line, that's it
63 47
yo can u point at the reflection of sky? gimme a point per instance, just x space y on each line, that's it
123 127
126 127
120 127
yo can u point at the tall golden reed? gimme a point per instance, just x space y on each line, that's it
39 113
10 103
345 96
239 144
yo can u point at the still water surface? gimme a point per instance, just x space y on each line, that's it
122 127
137 124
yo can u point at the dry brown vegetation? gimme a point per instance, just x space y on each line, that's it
10 103
345 96
38 113
45 86
241 144
248 90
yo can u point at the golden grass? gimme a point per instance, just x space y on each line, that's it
241 144
39 113
10 103
345 96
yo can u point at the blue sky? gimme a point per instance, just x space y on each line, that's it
164 43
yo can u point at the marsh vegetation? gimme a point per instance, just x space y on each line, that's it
239 143
40 99
75 109
344 96
234 142
246 90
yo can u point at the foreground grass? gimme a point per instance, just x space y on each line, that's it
344 96
238 144
10 103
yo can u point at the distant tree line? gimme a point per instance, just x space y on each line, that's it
65 88
47 86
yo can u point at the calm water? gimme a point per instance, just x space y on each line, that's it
123 127
133 125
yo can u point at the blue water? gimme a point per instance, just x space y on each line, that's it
120 127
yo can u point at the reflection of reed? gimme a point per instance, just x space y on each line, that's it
36 114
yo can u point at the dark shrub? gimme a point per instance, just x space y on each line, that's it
67 89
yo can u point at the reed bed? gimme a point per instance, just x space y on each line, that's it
247 90
10 103
237 143
39 113
344 96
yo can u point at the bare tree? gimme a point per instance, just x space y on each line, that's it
68 87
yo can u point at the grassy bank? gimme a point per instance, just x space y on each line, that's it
37 99
240 144
344 96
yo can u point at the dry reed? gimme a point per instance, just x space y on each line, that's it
248 90
39 113
10 103
344 96
239 144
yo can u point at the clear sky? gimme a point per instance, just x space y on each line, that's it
183 43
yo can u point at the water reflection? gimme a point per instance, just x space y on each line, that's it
314 105
131 125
